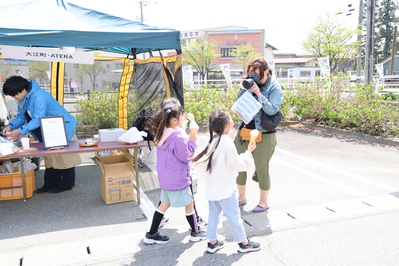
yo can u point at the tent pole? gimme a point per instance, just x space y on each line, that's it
57 81
123 93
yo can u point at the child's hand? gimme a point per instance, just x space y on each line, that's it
193 137
251 147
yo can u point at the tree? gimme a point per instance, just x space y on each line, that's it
5 69
38 70
92 71
80 76
385 17
329 38
244 54
200 54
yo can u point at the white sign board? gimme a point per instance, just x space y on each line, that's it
47 54
53 132
380 69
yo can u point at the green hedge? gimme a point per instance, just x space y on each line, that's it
336 102
201 102
101 111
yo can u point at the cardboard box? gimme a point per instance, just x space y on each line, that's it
15 179
116 178
110 134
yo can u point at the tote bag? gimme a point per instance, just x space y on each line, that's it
246 107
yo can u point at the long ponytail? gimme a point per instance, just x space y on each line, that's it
218 120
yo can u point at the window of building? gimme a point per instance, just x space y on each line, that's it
304 73
108 66
196 33
214 75
227 52
75 65
115 85
317 74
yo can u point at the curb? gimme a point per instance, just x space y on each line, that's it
355 135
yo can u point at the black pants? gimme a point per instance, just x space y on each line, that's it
59 177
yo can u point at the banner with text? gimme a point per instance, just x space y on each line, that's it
47 54
188 75
324 63
380 69
226 73
271 66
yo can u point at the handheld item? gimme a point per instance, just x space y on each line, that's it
193 125
254 134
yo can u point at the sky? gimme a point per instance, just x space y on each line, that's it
285 22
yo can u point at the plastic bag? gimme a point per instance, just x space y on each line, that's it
28 165
133 135
7 167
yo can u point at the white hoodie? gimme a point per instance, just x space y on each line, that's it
226 163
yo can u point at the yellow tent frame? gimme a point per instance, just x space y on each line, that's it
58 71
57 81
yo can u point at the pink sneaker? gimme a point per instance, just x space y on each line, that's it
243 202
260 209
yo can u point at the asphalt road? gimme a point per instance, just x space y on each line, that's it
334 201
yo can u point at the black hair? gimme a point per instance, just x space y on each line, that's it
157 123
15 85
218 120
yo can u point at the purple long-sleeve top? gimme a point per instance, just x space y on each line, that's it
173 165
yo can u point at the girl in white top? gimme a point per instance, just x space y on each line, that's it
223 165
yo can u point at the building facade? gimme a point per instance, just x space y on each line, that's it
226 40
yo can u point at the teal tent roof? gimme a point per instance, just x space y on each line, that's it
57 23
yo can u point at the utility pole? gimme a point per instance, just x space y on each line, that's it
393 53
359 39
141 11
369 54
143 4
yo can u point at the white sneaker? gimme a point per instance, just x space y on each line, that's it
195 237
164 222
215 247
201 223
156 238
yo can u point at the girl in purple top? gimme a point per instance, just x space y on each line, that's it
173 167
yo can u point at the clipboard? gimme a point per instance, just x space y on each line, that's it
53 132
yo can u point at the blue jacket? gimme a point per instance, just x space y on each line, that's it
271 98
40 103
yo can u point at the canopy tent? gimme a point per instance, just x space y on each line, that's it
57 23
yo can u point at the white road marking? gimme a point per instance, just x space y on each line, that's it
320 178
340 171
